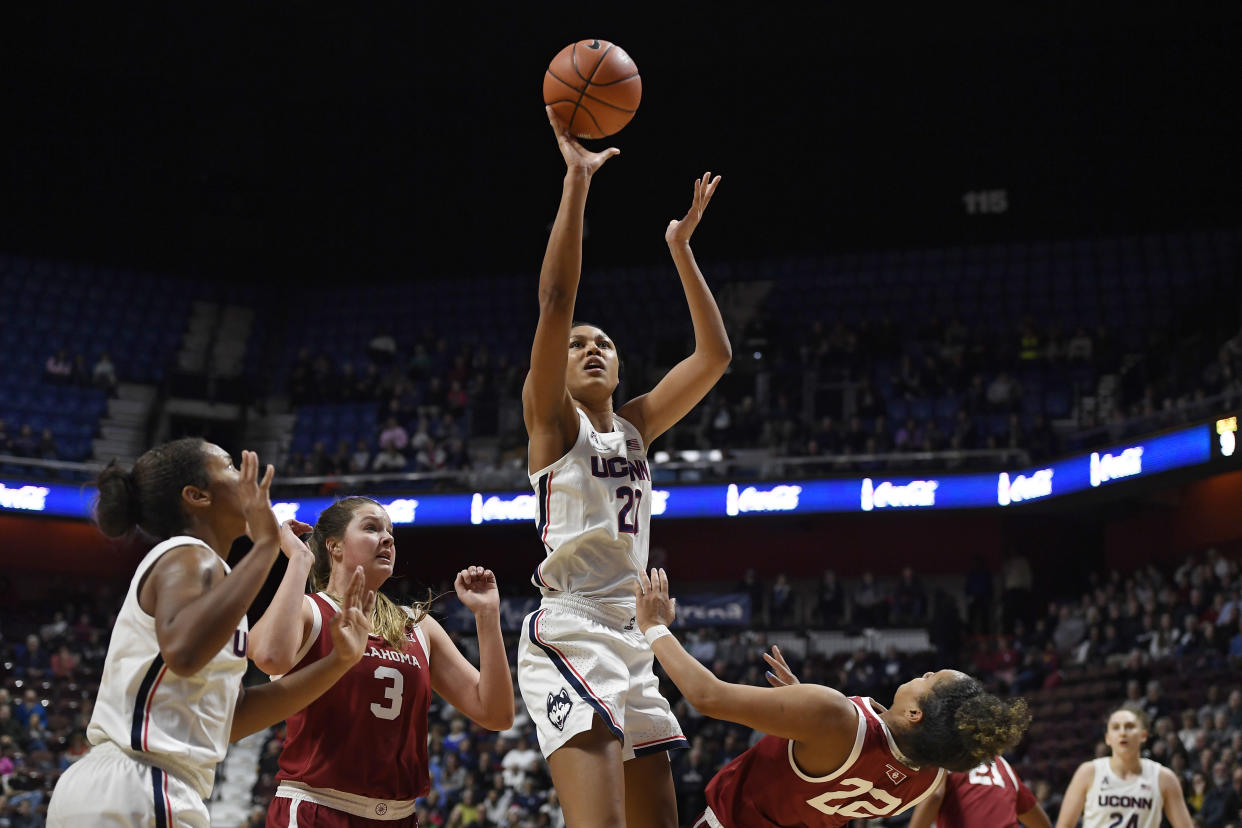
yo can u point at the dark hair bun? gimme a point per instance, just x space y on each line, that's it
116 509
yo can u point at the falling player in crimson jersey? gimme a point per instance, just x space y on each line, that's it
359 753
989 796
829 759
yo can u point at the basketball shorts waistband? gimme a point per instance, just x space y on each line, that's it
617 616
360 806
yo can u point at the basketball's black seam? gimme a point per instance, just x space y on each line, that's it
618 80
573 56
584 94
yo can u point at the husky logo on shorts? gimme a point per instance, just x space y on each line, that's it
559 707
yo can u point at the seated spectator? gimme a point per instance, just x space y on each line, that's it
25 444
64 662
457 399
343 459
909 600
388 459
1002 394
318 463
32 660
58 368
909 437
964 430
9 726
870 608
431 457
520 763
103 375
30 711
781 602
1078 349
360 460
855 437
81 374
831 601
47 446
394 435
1028 342
382 348
466 811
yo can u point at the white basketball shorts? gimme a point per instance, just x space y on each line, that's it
107 788
578 659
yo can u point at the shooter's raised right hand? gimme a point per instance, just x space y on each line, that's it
578 159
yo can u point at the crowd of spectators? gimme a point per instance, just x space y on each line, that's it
839 391
61 369
429 403
1156 630
875 389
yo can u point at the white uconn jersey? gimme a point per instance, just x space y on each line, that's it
594 513
153 714
1132 803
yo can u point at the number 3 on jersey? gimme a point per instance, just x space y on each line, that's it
627 518
392 692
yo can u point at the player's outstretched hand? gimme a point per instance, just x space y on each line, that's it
679 232
256 500
577 157
476 588
652 599
350 627
780 675
291 543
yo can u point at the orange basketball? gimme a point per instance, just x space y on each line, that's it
594 87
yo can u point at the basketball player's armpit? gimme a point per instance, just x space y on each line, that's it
197 609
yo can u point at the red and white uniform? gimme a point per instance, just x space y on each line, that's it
764 787
990 796
361 747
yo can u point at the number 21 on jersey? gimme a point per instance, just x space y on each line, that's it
627 518
987 774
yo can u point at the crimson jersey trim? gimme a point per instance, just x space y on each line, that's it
859 739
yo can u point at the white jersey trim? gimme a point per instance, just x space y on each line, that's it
859 738
420 635
583 420
316 626
888 735
1013 777
933 786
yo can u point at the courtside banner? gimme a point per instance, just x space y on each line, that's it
873 491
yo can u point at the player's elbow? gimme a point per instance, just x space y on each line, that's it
269 658
707 697
272 665
181 662
498 721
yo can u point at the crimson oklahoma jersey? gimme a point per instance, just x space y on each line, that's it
367 735
764 786
990 796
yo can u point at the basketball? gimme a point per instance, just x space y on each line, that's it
593 86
